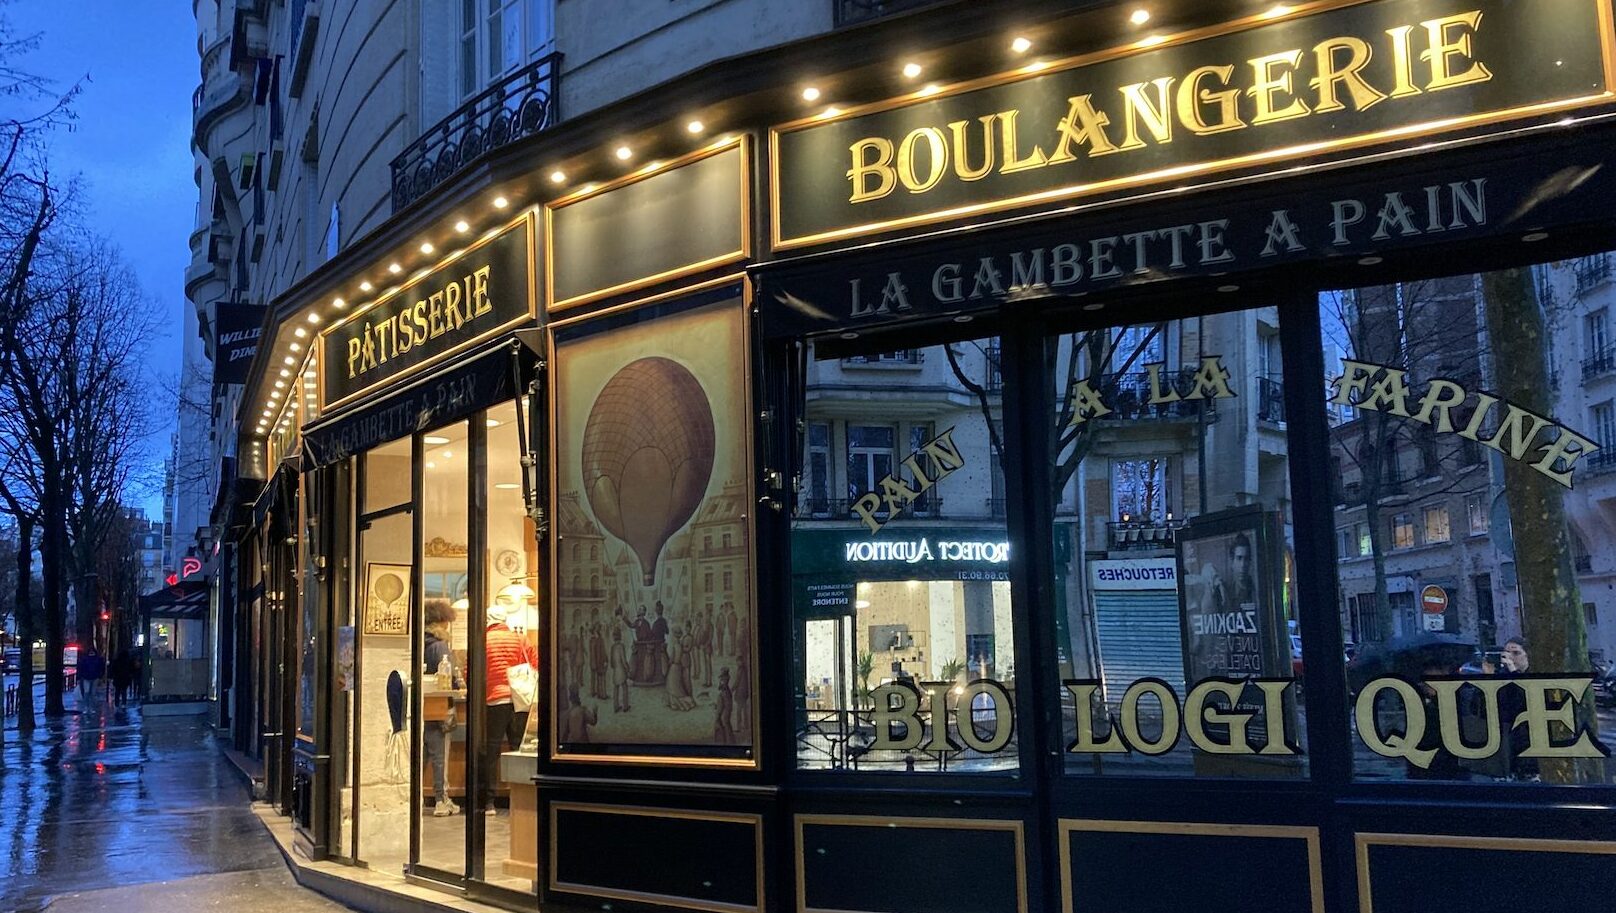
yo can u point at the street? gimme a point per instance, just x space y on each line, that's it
105 804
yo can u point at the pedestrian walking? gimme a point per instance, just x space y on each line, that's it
92 668
122 672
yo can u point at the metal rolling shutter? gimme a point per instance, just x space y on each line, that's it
1139 638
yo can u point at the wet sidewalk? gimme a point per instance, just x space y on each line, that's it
98 808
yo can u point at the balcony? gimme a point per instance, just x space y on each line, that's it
1128 397
852 12
1270 401
1591 272
1600 363
909 358
1141 535
518 106
811 508
1600 462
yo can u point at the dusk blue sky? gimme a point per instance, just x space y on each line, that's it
130 148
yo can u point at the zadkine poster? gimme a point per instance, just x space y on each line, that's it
653 634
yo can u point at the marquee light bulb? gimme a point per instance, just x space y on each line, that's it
911 70
462 226
300 332
315 318
365 286
558 177
394 268
695 126
811 93
1140 17
426 247
1021 45
501 202
624 153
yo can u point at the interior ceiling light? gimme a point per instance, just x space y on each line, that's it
1140 17
811 93
1021 45
506 486
493 423
435 439
501 202
911 70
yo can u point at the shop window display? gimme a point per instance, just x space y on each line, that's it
1477 661
1178 644
904 646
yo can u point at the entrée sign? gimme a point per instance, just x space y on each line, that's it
1332 77
465 300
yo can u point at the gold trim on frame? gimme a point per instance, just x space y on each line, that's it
1012 825
1185 171
1362 843
1195 829
756 821
743 143
526 216
755 761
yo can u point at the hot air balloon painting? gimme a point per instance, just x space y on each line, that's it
648 455
387 598
652 522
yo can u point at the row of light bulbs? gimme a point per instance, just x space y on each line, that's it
1019 45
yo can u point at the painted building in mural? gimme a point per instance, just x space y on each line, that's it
1065 440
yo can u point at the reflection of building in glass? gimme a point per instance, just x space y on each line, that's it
1413 506
1577 298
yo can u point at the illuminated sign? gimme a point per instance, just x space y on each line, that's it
1321 80
914 551
468 298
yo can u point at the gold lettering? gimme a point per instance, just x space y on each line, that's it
886 180
1013 161
1082 126
481 303
1402 62
1272 75
418 318
353 357
962 166
1083 703
1191 98
1333 74
434 313
1156 115
1450 38
937 159
1168 701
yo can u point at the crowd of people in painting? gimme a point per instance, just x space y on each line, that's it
611 657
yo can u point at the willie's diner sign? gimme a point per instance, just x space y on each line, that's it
465 300
1326 78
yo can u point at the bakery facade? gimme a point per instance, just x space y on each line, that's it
1131 453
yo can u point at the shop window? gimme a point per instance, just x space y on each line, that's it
1459 635
1402 530
1436 524
1174 595
905 654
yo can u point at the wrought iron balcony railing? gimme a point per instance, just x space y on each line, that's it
850 12
1602 361
1590 272
1128 396
1143 534
518 106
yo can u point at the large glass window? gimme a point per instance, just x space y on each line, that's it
1476 654
1178 645
442 623
904 646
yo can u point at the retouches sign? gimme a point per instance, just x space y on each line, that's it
1323 79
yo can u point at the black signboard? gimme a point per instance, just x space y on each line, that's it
688 217
1320 80
236 327
1473 197
453 393
466 299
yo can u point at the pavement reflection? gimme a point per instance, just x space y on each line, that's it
108 799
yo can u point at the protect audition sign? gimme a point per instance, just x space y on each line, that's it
1336 77
465 300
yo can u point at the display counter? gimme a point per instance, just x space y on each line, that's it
517 771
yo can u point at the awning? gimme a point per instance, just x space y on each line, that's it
186 599
444 396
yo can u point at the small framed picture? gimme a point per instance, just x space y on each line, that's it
387 598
